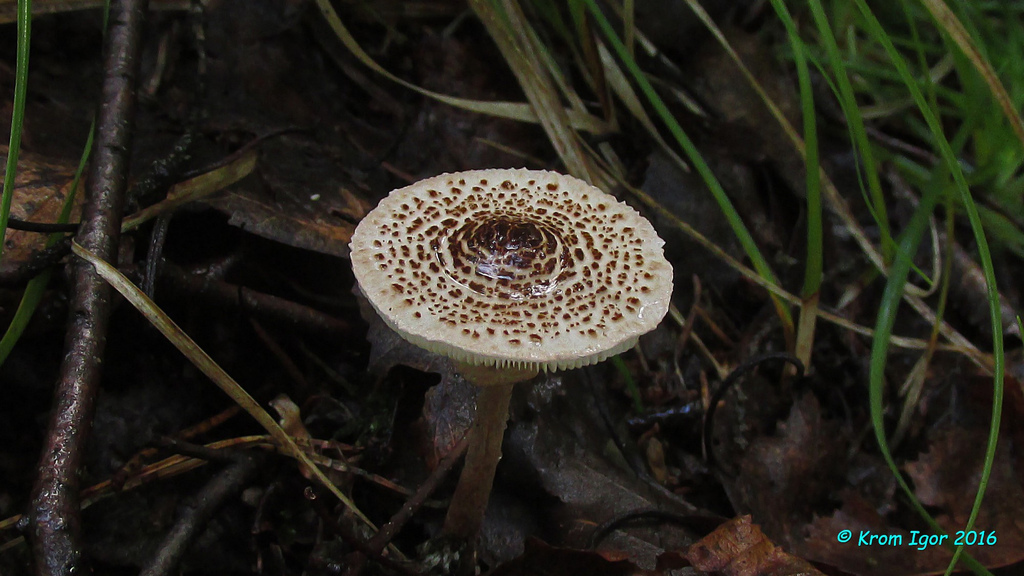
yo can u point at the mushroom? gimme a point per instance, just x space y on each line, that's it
509 272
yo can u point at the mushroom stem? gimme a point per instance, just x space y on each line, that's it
466 512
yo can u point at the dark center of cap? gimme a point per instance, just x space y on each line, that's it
504 256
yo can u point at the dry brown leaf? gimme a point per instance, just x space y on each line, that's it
539 559
448 407
783 478
41 185
945 479
305 199
290 419
739 548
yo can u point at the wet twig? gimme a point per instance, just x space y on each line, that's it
50 256
162 173
154 255
55 514
338 527
35 265
204 290
198 451
743 369
194 518
697 523
41 227
387 533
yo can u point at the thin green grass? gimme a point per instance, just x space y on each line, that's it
814 266
631 387
34 290
18 114
696 159
958 84
909 242
815 252
910 238
980 129
867 71
921 49
964 39
855 124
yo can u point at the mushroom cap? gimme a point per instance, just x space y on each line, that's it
512 268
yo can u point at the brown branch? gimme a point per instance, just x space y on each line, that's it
36 264
205 290
380 541
55 513
197 515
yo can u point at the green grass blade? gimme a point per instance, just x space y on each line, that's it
34 290
634 390
920 47
897 279
512 110
886 318
731 215
18 114
814 266
855 123
813 271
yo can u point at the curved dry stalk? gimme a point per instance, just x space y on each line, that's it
176 336
522 52
952 25
511 110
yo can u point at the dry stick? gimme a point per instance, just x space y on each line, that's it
205 290
387 532
299 381
55 513
345 532
195 517
40 260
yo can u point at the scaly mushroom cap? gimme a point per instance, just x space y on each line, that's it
522 268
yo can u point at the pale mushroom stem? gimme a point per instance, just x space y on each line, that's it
466 512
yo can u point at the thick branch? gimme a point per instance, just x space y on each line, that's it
55 514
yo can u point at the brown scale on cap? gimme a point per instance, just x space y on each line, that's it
520 268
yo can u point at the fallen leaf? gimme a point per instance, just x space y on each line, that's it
828 542
945 479
539 559
784 477
951 488
449 407
559 442
305 199
40 187
739 548
195 188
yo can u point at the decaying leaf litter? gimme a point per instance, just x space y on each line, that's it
796 454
